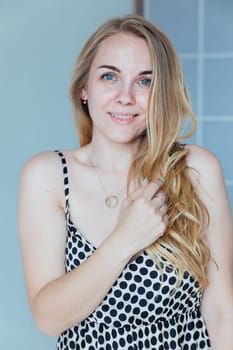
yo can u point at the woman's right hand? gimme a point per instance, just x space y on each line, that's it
142 218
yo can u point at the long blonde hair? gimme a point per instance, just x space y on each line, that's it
160 152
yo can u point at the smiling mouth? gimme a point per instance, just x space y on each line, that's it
123 116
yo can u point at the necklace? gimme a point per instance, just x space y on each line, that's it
111 200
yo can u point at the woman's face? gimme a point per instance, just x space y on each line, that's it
118 88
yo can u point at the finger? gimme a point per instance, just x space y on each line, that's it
163 209
165 219
147 190
159 199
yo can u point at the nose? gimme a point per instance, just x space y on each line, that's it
126 94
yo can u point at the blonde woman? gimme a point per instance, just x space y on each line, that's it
127 241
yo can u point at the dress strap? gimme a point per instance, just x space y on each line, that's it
66 179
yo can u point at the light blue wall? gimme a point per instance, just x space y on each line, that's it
39 43
202 32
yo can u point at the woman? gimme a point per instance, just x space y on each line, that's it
137 252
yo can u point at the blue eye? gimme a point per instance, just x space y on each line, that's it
108 76
145 81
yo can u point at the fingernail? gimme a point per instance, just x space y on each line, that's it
162 179
144 181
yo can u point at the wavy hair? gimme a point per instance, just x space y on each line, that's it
160 152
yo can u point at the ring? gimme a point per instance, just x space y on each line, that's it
161 197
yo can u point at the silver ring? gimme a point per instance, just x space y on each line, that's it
161 197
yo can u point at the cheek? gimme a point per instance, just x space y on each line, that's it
143 99
146 100
101 95
143 126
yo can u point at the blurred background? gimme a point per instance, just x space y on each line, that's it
40 41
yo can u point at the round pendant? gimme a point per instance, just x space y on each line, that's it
111 201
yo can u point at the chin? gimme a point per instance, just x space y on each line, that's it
124 140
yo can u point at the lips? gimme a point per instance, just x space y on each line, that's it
123 116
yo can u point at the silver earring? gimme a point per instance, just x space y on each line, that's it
84 102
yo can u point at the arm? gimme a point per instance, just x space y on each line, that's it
59 300
217 303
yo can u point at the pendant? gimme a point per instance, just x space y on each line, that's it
111 201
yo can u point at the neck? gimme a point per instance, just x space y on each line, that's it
111 162
111 159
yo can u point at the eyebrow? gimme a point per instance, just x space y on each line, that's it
118 70
110 67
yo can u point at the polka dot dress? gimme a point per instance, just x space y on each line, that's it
142 310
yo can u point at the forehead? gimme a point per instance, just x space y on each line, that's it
123 48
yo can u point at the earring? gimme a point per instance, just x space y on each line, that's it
84 102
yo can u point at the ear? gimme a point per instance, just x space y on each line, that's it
83 94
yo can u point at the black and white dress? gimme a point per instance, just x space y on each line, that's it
141 310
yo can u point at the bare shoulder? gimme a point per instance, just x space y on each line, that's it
40 162
201 159
207 167
40 166
43 172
